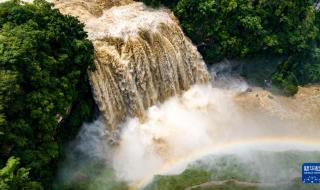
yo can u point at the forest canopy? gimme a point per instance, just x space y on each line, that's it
239 29
44 59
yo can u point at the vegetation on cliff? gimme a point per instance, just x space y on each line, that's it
44 59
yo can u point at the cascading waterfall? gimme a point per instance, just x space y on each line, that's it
142 57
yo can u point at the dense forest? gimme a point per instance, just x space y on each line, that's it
44 58
239 29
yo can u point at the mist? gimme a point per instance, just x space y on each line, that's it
225 117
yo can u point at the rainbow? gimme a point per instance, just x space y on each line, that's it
265 143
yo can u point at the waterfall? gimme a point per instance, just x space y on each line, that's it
142 56
144 62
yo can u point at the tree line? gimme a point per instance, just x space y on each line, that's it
239 29
44 91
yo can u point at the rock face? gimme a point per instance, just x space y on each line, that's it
142 56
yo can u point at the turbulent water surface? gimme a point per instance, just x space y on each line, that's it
210 120
142 57
152 86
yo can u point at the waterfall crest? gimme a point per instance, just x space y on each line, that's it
142 56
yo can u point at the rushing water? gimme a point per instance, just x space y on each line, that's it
152 86
207 120
142 58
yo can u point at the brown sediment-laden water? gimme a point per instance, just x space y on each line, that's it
142 56
151 82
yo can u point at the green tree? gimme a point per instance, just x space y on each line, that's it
7 80
45 57
285 79
242 29
14 178
157 3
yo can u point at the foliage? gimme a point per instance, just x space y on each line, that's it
238 29
176 182
262 167
308 68
7 85
286 82
44 58
81 111
157 3
309 73
14 178
285 79
82 172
